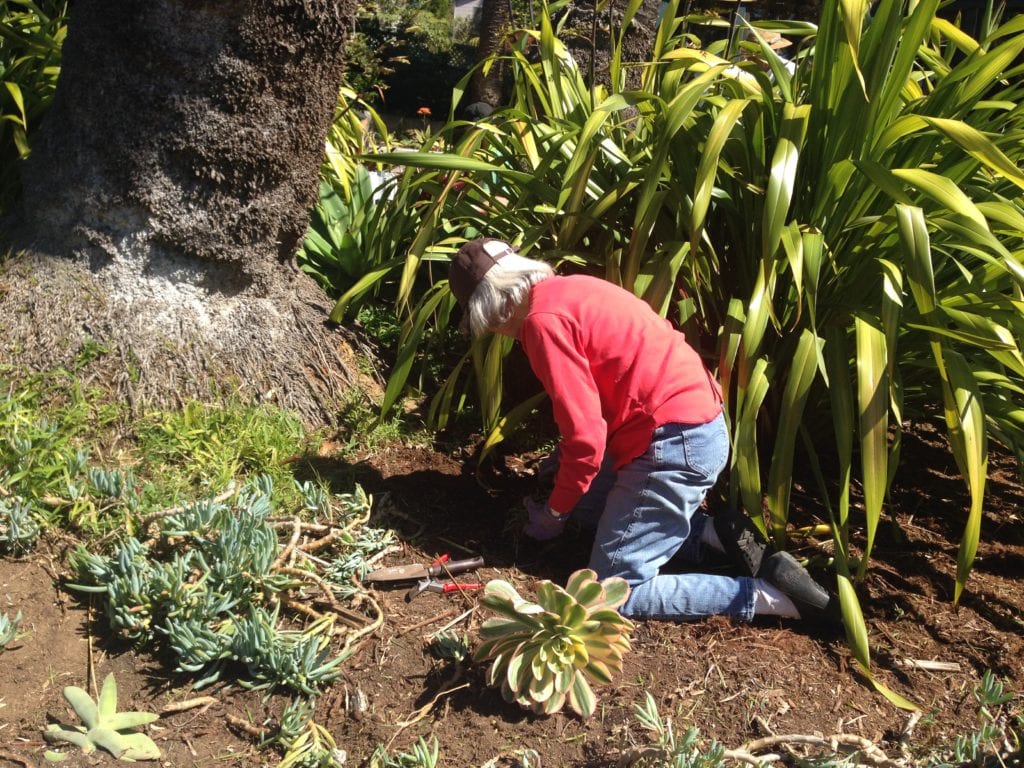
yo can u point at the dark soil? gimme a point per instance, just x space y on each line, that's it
734 682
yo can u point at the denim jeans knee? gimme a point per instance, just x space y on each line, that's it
648 517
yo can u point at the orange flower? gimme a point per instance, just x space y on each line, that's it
424 111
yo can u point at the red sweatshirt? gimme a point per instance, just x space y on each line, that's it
615 371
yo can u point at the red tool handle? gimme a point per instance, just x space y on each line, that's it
456 566
453 586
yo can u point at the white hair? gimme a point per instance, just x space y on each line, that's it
503 288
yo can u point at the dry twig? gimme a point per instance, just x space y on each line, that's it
183 706
282 557
245 726
433 619
867 748
423 711
351 618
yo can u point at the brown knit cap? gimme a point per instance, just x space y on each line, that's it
472 262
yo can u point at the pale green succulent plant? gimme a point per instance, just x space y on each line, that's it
547 653
103 726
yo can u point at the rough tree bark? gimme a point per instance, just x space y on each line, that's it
495 23
165 198
637 45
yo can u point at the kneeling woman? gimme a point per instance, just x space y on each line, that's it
624 383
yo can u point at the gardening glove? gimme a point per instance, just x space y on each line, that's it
543 524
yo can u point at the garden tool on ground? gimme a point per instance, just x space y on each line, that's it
444 587
419 571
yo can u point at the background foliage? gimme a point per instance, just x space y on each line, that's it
31 35
838 232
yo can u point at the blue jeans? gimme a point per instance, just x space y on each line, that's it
651 513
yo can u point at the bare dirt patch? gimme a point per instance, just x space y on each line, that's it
734 682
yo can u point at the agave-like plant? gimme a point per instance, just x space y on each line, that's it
104 727
548 652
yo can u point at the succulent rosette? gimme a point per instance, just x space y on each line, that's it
548 652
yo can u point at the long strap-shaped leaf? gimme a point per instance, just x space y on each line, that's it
725 120
857 639
965 417
873 411
801 375
651 195
746 466
970 448
488 354
507 423
837 362
782 176
411 335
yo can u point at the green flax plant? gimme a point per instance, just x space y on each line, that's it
881 279
356 227
31 36
578 176
840 235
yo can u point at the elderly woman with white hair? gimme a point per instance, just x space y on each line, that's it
631 396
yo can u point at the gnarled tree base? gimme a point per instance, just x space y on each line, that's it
160 338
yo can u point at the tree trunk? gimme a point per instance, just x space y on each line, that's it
176 169
587 40
495 23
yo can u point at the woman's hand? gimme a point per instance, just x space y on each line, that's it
543 523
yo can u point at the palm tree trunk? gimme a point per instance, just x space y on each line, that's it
495 23
166 196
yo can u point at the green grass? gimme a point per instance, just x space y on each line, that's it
207 446
76 458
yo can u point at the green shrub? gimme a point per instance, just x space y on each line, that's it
31 36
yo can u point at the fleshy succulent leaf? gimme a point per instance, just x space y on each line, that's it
589 594
125 746
121 721
521 610
574 616
581 696
54 733
616 591
553 703
580 579
83 705
542 687
598 671
107 705
138 746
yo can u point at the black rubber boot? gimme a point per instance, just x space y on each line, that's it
810 598
743 542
